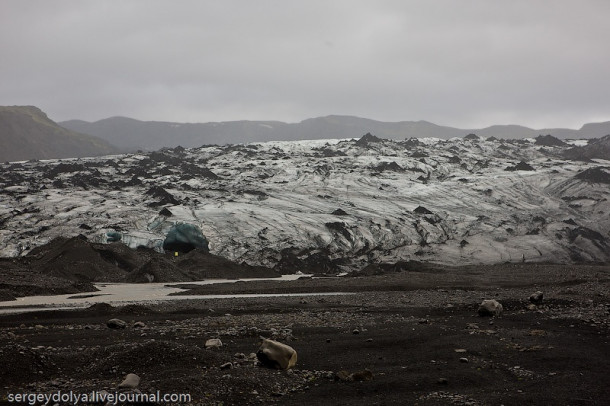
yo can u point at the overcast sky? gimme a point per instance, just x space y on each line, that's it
465 64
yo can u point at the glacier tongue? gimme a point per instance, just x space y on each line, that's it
457 201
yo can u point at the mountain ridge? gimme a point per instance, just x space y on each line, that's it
26 132
131 134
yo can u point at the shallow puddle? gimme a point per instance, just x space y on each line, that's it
131 293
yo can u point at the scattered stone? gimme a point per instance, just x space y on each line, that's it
355 331
464 360
116 324
536 297
490 307
339 212
139 324
227 365
274 354
531 307
442 381
422 210
521 166
364 375
131 381
165 212
213 343
460 350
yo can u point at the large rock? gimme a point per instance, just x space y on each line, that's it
490 308
131 381
276 355
213 343
536 297
116 323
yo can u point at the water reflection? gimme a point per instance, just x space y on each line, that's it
130 293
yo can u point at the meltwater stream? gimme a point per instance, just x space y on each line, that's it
131 293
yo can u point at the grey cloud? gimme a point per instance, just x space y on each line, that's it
468 64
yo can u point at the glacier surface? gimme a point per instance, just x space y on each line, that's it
457 201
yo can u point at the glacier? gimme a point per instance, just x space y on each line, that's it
353 201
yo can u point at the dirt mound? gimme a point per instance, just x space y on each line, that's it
158 270
367 139
76 259
521 166
72 265
596 149
549 141
19 279
595 175
316 262
201 265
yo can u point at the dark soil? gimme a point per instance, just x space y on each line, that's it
417 333
71 265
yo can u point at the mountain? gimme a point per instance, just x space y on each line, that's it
131 135
27 133
325 205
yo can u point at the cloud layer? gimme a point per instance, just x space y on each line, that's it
467 64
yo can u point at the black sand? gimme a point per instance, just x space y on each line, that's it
418 333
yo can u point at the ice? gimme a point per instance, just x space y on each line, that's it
282 194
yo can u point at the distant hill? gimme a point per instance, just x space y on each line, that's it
130 134
27 133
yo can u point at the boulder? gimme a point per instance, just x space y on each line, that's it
213 343
490 307
536 297
116 323
274 354
131 381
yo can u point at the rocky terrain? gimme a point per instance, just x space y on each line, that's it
401 337
327 206
425 230
70 265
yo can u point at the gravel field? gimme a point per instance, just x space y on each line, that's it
396 338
